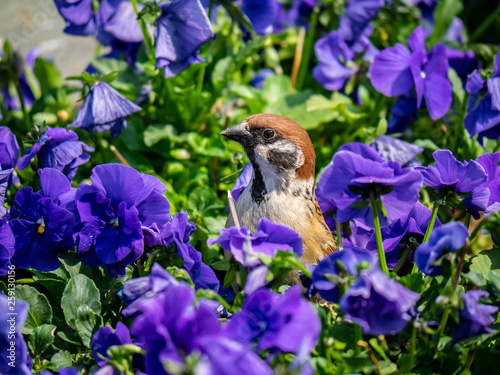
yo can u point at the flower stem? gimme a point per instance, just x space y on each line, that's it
358 336
406 252
412 347
470 357
442 324
147 38
15 80
339 233
301 267
432 221
378 236
461 260
307 50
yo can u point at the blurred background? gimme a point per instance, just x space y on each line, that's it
30 24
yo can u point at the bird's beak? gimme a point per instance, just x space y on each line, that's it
237 133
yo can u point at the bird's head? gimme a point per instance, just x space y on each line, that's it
276 145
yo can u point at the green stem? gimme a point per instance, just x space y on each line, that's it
470 357
201 78
224 303
308 47
461 260
15 80
378 236
432 221
407 252
358 336
3 111
339 233
150 260
442 324
147 38
301 267
412 347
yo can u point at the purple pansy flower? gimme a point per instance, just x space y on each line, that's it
9 152
7 90
179 231
463 62
394 149
54 185
223 356
396 70
358 14
118 23
447 238
358 171
448 175
332 53
136 291
270 237
59 149
327 206
474 318
341 263
105 337
276 322
241 183
394 236
42 229
258 81
181 29
12 342
104 109
301 11
490 164
121 212
483 108
261 14
403 112
170 326
78 15
378 304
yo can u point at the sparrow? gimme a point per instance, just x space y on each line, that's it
282 185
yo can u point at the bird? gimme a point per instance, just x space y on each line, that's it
282 185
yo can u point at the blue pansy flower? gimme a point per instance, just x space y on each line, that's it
449 175
42 222
341 263
179 231
78 15
475 318
105 337
380 305
181 29
358 14
122 212
447 238
104 109
283 323
9 152
357 171
60 149
396 70
483 108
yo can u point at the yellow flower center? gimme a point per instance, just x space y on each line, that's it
41 226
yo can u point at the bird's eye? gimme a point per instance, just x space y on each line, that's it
269 133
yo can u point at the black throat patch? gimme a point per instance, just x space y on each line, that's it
259 190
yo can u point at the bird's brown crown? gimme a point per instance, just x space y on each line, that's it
292 131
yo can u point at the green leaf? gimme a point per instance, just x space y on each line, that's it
109 77
222 71
414 282
80 293
41 338
494 277
475 277
62 359
486 261
85 324
230 277
360 205
444 14
381 127
48 75
222 265
40 311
